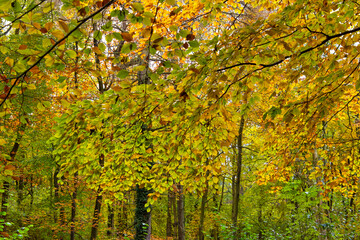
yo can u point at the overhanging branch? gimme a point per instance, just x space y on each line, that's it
81 22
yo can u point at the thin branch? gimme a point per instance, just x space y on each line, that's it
21 16
81 22
327 39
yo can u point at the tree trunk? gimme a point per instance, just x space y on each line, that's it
142 216
62 213
203 203
110 224
181 214
20 192
97 208
176 222
73 207
237 183
169 231
202 213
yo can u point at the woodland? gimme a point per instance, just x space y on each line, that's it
179 119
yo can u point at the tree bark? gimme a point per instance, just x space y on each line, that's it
110 224
202 213
237 183
176 222
142 216
169 231
181 214
97 208
73 208
203 203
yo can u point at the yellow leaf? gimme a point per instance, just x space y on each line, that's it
9 61
64 26
215 180
58 34
33 30
31 86
49 61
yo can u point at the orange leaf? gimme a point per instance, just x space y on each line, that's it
116 88
64 26
10 167
97 50
127 36
49 25
23 47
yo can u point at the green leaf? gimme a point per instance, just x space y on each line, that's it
5 5
71 53
274 111
194 44
109 38
170 2
138 7
102 47
183 33
107 26
122 74
117 36
97 35
61 79
173 28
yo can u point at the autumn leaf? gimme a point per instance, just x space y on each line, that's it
22 47
127 36
64 26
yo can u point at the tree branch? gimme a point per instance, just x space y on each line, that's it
81 22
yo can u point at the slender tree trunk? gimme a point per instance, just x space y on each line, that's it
237 183
202 213
222 195
97 208
181 214
96 216
20 192
62 213
142 216
110 224
169 232
74 194
176 222
73 207
215 228
203 203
